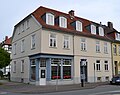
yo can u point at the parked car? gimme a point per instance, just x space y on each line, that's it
115 80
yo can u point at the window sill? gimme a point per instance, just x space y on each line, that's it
105 52
98 52
22 51
66 48
84 50
32 48
106 70
98 70
52 47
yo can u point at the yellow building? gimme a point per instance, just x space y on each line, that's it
114 35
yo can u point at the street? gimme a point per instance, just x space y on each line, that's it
100 90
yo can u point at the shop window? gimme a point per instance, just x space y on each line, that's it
55 65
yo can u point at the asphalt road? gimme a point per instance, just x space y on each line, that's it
100 90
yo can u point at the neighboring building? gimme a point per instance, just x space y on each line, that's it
115 36
6 44
47 41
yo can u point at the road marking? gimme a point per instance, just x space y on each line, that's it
3 92
106 92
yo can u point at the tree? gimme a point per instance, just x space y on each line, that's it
4 58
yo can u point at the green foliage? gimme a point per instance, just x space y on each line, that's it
4 58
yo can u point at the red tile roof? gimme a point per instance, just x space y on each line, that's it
38 13
7 41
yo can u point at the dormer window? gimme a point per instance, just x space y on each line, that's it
93 29
49 19
78 26
117 36
62 22
101 31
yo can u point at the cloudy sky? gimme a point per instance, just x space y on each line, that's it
12 11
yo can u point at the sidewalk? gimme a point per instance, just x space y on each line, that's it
33 89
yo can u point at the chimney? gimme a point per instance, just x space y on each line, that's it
6 38
71 13
110 25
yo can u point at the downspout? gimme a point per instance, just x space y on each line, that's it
112 60
73 60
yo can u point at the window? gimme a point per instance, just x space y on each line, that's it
97 46
106 66
63 22
101 31
49 19
18 30
33 41
14 67
66 69
66 42
22 46
98 65
117 36
52 40
63 66
93 29
55 65
23 26
33 70
27 24
83 44
115 49
119 49
22 66
14 49
78 26
105 47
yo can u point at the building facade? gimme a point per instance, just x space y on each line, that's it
50 45
115 36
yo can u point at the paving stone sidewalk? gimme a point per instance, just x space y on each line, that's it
33 89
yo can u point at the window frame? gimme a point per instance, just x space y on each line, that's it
66 42
105 47
79 26
63 22
93 29
49 19
106 65
54 40
33 41
14 48
22 46
98 66
98 46
83 44
101 31
14 66
22 66
114 49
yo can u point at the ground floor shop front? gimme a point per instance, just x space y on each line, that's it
51 69
64 69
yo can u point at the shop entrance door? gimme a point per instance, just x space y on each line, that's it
42 72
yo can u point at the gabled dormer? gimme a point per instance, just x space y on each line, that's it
117 36
77 25
101 31
48 18
93 29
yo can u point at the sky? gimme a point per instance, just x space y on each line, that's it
13 11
